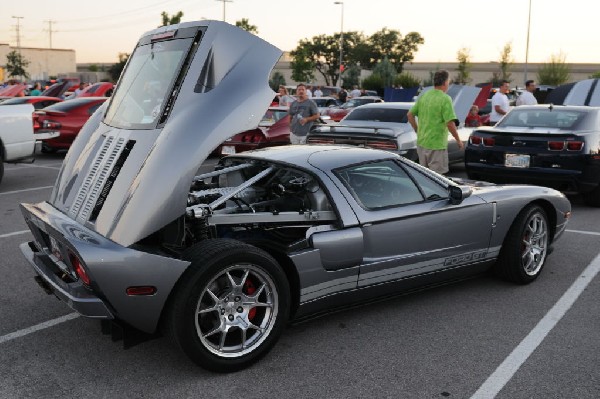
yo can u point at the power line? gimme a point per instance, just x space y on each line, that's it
18 28
50 22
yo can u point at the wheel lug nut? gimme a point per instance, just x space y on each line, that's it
240 309
222 311
237 298
230 317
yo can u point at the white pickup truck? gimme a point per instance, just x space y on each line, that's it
17 139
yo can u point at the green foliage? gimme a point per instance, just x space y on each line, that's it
302 65
555 71
352 76
116 69
595 75
171 20
406 80
386 70
374 82
16 64
389 43
244 23
429 80
93 68
464 66
506 62
276 80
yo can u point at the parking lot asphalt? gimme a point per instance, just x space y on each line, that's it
451 341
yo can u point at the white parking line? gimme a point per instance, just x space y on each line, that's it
593 233
15 233
23 166
25 190
495 382
37 327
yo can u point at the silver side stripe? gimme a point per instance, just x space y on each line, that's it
328 287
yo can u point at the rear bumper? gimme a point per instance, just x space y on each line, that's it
111 268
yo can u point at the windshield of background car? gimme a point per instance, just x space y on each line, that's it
273 115
378 115
545 117
142 90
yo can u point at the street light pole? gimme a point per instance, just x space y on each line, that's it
225 1
527 45
341 40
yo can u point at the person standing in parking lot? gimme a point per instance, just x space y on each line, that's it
343 95
527 98
355 92
303 113
318 93
436 117
500 104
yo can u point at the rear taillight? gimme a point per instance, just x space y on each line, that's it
574 145
251 138
489 141
50 125
318 140
79 269
556 145
475 140
36 122
382 145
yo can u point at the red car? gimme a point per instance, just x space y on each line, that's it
101 89
337 113
38 102
273 129
68 117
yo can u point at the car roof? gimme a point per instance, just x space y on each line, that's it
585 108
392 105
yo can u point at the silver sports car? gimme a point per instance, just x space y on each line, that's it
220 261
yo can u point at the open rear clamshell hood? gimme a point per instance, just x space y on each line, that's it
127 180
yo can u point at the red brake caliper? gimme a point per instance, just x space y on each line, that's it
249 289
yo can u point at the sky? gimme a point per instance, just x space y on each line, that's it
99 30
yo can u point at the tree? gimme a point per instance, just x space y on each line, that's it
93 68
276 80
352 76
244 23
373 82
16 64
595 75
406 80
116 69
389 43
386 71
322 53
464 66
506 62
555 71
172 20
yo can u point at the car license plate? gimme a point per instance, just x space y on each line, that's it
516 161
227 150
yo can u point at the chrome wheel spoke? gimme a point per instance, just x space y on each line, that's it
212 332
208 310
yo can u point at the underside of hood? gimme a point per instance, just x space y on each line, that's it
185 89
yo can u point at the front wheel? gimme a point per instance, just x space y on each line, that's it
230 307
525 247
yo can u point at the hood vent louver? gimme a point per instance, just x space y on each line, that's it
101 171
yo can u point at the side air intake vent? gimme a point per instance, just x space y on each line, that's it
111 179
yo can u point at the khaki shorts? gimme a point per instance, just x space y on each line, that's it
297 139
436 160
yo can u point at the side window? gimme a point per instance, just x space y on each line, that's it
381 184
431 189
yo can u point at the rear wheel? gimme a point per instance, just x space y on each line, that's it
525 247
230 307
46 149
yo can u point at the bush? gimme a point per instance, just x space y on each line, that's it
555 72
595 75
374 82
406 80
276 80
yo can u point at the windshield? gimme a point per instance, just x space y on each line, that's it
272 116
150 73
378 115
545 117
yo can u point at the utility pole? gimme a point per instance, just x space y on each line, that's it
50 31
18 28
225 1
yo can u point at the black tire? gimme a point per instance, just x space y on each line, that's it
1 163
46 149
212 327
525 247
593 197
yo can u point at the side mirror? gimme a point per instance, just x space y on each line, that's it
458 194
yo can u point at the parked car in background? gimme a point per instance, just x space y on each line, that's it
60 88
10 91
324 103
101 89
273 129
337 113
554 146
67 117
38 102
18 142
385 126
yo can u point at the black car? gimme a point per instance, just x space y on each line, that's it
554 146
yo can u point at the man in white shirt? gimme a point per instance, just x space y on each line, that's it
527 98
318 93
355 92
500 105
309 92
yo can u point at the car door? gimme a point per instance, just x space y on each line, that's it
409 227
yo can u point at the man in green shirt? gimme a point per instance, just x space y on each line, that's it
436 117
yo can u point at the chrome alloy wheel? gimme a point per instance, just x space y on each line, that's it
236 311
534 244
